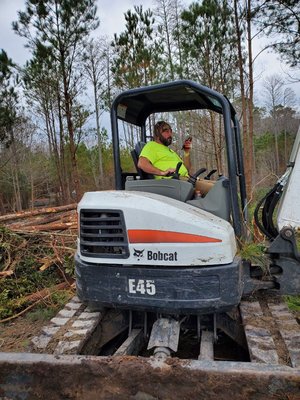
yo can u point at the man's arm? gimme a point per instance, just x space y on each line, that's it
187 160
187 145
147 167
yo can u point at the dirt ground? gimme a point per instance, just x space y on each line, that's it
15 336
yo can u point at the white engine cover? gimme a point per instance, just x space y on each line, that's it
163 231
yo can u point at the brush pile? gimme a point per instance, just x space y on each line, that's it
36 257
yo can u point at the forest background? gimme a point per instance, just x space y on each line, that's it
54 136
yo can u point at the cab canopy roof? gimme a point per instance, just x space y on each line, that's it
135 105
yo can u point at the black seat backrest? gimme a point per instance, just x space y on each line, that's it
135 153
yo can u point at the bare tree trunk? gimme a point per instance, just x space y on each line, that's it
215 141
250 103
276 148
16 187
248 172
65 189
220 142
15 173
101 174
179 46
75 173
285 148
2 205
56 149
109 96
31 183
166 11
68 111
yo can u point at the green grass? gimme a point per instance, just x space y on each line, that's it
293 302
41 313
49 308
256 254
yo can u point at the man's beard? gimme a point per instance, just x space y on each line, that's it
165 141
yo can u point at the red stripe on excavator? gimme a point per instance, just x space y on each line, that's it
155 236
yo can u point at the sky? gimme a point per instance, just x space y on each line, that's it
111 14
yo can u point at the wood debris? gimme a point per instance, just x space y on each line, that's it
43 242
44 219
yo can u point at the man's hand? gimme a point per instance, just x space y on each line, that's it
168 172
187 145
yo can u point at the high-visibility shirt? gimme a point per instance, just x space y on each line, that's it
162 157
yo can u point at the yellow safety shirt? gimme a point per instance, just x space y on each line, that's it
162 157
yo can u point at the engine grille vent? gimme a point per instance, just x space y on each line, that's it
103 234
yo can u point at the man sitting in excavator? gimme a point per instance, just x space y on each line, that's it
158 159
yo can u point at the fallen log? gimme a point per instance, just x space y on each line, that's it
67 215
48 227
6 273
25 214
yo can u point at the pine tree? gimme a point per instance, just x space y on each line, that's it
167 15
97 70
210 54
8 98
282 18
137 60
59 27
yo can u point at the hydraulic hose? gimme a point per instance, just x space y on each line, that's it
271 209
263 223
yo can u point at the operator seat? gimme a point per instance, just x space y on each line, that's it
135 153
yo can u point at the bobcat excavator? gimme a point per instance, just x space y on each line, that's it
184 316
